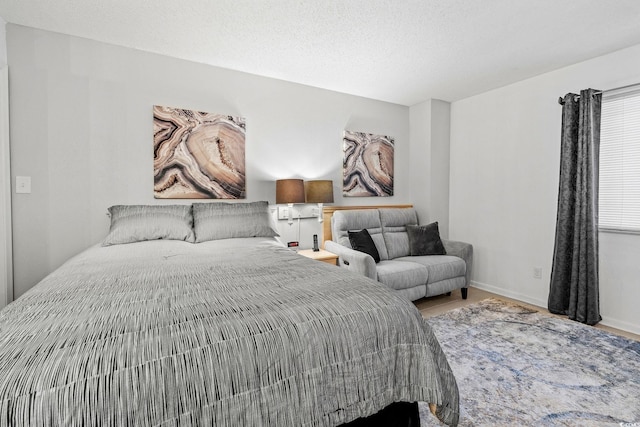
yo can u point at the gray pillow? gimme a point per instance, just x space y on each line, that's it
136 223
425 240
218 220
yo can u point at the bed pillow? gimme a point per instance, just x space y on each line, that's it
136 223
425 240
215 221
361 241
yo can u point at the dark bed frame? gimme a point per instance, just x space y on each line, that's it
398 414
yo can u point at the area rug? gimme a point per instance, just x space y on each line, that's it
518 367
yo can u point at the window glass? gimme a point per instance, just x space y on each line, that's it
619 197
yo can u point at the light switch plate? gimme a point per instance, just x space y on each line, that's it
283 212
23 184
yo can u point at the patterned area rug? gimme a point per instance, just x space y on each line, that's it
518 367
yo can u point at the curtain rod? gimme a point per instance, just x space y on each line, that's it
576 97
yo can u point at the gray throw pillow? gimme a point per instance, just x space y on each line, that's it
218 220
361 241
137 223
425 240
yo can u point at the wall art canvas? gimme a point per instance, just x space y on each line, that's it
198 155
367 165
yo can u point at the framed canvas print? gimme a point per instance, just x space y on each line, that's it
367 165
198 155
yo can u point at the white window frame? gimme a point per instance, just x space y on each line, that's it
619 174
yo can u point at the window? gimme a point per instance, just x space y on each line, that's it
620 162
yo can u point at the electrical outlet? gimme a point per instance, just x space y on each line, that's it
23 184
537 272
298 211
305 211
283 212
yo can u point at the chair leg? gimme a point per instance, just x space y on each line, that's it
464 293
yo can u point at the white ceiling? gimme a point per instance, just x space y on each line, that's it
401 51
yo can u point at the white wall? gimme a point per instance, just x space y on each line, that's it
81 127
505 156
429 163
3 43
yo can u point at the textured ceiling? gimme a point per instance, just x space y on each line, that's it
401 51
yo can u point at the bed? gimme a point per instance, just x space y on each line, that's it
232 331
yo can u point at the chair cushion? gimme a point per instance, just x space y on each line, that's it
362 241
440 267
394 230
355 220
425 240
401 274
443 286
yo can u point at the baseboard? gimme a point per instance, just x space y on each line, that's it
509 294
606 320
620 324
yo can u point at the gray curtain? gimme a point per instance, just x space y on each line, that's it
574 276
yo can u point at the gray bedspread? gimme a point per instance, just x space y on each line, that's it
173 333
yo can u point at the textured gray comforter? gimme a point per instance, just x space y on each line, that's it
224 334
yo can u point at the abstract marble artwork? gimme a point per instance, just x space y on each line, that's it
198 155
367 165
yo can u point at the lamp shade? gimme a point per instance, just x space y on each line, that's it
320 191
289 191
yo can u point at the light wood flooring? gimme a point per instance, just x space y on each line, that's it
439 304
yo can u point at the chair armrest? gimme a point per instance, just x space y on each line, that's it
462 250
353 260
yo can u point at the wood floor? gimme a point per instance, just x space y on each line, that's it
439 304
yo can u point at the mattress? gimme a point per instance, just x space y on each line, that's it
230 332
